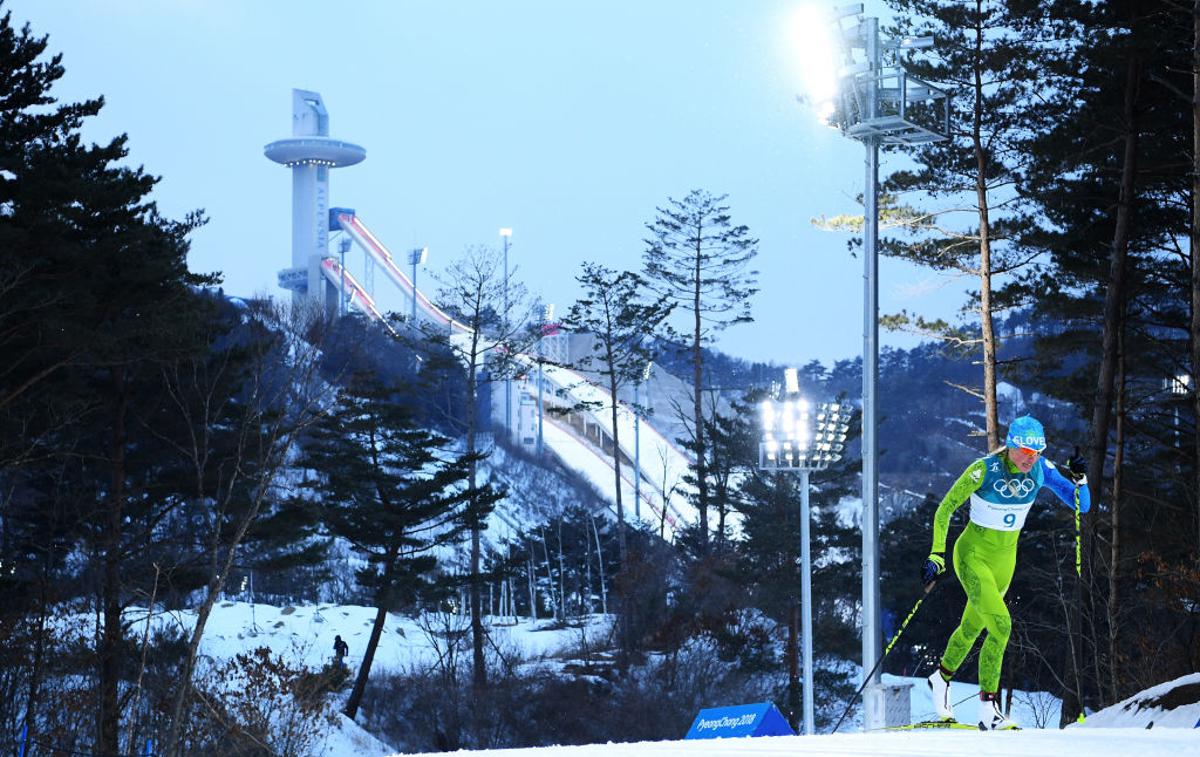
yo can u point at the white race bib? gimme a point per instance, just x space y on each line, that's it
1000 517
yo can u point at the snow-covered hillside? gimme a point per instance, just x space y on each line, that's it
304 635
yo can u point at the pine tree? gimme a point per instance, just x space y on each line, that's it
613 311
390 488
1112 182
968 214
99 296
698 259
490 307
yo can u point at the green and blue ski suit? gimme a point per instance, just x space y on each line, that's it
986 552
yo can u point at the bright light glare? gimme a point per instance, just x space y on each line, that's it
791 380
812 34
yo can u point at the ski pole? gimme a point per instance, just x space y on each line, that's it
928 588
1078 574
1078 547
1079 552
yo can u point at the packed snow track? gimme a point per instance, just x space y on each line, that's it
1092 742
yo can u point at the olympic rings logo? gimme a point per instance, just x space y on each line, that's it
1012 488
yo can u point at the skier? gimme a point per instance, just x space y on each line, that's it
340 650
1002 487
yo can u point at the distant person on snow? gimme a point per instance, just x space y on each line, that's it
1002 487
340 650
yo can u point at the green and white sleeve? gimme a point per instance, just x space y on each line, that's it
966 484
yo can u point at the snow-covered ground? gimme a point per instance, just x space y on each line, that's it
303 635
1098 742
1174 704
1118 731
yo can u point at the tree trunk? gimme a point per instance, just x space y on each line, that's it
985 248
1195 251
625 620
697 405
532 585
562 572
587 562
1114 569
108 737
1113 301
478 664
612 389
364 669
600 566
39 650
550 575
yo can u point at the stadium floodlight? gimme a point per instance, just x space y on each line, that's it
802 437
876 101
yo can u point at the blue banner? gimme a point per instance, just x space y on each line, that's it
761 719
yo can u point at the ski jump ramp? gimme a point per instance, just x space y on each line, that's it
665 504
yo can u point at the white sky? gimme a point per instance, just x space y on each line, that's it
567 121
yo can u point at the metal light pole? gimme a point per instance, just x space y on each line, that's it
796 439
547 317
416 257
876 102
506 234
637 441
872 630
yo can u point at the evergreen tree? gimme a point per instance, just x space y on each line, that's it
613 311
994 73
699 260
487 339
1110 177
391 489
99 295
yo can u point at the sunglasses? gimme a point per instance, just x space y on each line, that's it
1023 453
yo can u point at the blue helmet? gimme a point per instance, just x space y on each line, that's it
1026 432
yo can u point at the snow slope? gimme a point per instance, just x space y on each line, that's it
1174 704
303 635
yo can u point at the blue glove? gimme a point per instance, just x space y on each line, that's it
935 565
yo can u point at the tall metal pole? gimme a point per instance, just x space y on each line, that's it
541 408
806 604
872 639
637 454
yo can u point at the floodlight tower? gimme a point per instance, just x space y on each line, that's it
865 90
310 153
796 439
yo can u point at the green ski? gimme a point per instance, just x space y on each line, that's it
934 725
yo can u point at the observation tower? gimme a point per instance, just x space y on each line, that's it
310 153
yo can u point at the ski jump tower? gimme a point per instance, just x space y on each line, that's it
310 153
